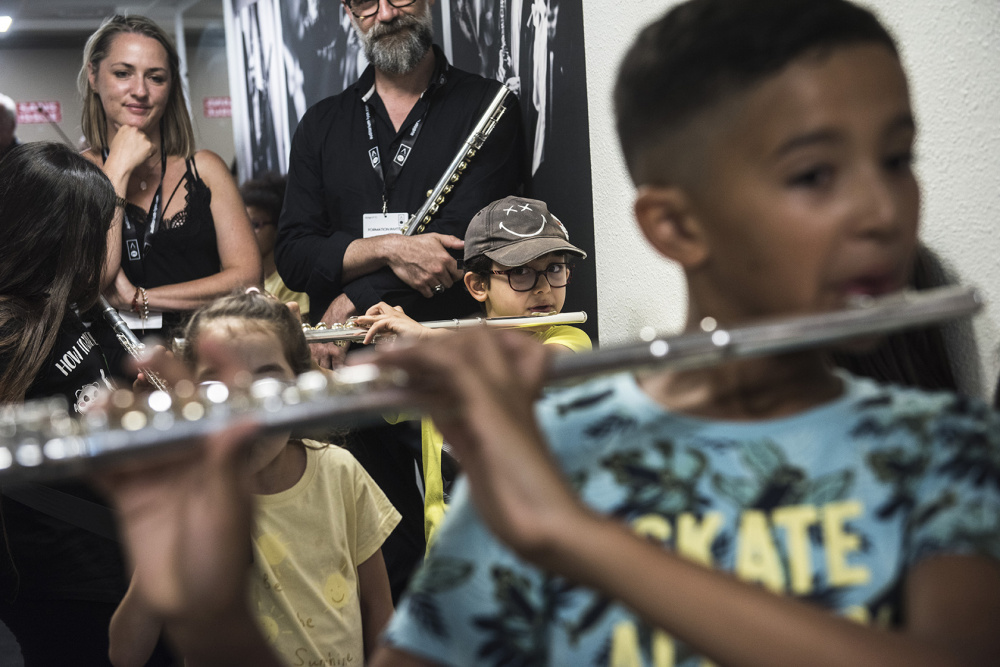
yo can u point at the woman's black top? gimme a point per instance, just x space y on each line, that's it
184 248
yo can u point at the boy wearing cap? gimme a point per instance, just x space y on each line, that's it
516 265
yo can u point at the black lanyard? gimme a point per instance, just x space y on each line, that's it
137 242
388 180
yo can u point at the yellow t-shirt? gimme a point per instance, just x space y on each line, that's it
307 544
275 286
431 440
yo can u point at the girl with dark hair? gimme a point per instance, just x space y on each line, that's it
61 569
55 210
185 238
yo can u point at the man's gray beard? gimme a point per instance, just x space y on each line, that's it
397 47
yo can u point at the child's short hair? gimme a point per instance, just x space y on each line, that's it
705 51
255 310
514 231
266 192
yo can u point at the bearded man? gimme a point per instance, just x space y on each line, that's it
363 161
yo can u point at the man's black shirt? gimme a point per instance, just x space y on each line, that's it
331 185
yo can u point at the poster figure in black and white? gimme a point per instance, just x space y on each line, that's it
322 53
536 48
256 24
520 43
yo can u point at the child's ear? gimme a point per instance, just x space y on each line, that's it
476 284
666 217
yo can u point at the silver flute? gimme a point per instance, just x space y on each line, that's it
41 439
130 342
352 333
436 196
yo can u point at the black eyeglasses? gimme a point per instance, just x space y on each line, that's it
362 9
524 278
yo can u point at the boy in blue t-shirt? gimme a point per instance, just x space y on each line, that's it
771 142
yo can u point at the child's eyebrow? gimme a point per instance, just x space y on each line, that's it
809 139
830 136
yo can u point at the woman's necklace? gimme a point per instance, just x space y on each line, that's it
142 183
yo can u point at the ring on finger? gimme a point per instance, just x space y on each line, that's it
438 289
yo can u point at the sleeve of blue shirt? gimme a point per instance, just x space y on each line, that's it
958 502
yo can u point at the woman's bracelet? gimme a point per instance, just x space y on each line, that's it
121 202
145 306
141 309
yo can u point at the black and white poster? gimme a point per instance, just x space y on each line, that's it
256 78
293 53
536 48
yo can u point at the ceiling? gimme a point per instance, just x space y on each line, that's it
47 23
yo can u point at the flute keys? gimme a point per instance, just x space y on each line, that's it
721 338
28 429
134 420
267 393
184 389
159 401
29 453
312 385
193 411
122 399
59 449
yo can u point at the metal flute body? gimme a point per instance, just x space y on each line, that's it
129 341
355 334
41 439
482 130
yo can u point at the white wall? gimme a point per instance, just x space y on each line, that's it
50 74
951 50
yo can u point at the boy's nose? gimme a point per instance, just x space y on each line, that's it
886 205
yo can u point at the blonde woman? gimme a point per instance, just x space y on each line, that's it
181 236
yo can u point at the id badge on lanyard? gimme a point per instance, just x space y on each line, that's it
386 222
137 245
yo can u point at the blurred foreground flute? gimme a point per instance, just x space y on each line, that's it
129 341
41 439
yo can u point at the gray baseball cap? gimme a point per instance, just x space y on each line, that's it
515 230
